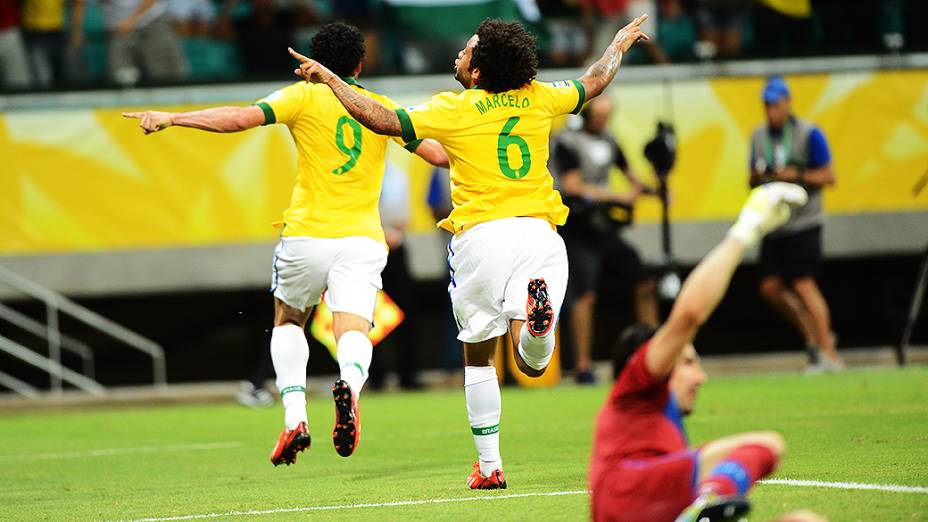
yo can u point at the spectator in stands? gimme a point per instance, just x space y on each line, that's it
192 17
361 14
570 29
676 30
398 283
721 24
785 28
142 42
583 159
43 31
14 66
264 28
610 15
792 150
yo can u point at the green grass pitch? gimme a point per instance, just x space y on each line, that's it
868 426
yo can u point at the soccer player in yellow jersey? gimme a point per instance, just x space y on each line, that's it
508 265
331 236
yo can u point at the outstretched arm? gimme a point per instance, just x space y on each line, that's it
370 113
601 73
218 119
700 295
767 208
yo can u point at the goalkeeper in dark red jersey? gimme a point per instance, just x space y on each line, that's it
643 467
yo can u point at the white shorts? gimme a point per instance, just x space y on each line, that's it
346 268
491 265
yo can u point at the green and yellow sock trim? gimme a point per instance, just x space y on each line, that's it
485 430
291 389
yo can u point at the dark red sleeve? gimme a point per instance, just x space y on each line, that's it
636 382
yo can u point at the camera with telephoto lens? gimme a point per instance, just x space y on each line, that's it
661 151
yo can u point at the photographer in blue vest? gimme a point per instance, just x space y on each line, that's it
792 150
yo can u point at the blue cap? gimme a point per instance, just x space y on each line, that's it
775 90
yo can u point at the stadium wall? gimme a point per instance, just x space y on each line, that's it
93 207
170 234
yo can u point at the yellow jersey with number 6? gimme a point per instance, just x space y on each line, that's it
341 163
497 145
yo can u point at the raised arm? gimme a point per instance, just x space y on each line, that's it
370 113
767 208
601 73
218 119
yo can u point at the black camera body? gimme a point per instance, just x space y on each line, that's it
661 151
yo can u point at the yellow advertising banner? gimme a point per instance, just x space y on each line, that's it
89 180
387 316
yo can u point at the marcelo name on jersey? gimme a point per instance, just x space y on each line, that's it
496 101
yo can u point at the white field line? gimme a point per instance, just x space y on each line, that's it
360 506
894 488
108 452
772 482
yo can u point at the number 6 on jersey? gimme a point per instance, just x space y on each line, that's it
502 148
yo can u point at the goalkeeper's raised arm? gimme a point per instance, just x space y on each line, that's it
767 208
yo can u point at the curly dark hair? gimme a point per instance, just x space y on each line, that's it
505 54
339 47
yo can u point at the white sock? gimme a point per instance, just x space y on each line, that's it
536 351
354 359
290 353
481 390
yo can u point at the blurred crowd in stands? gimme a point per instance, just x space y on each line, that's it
55 44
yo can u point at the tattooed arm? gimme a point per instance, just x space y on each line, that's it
217 119
601 73
370 113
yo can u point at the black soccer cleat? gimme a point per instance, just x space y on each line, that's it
712 508
538 312
347 430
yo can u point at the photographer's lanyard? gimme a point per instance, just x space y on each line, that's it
778 155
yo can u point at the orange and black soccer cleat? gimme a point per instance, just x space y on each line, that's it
496 480
347 430
538 312
289 444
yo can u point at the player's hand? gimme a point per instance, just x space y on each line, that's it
310 70
152 121
631 33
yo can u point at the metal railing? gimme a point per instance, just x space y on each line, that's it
56 305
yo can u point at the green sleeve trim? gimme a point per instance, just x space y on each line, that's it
409 133
269 117
413 145
582 92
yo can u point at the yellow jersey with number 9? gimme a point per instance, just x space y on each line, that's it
341 162
497 145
